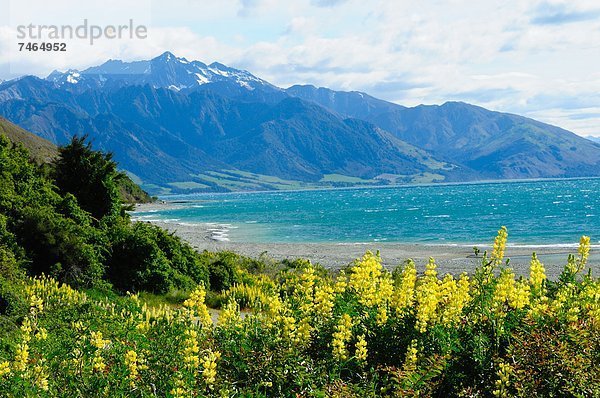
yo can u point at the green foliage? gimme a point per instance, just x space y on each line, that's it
91 176
75 235
130 192
146 257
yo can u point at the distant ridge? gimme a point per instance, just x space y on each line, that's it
181 126
592 138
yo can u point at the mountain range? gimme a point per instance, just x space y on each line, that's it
176 126
592 138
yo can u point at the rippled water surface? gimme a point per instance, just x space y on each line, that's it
535 212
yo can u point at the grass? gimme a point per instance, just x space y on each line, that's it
188 185
40 150
348 179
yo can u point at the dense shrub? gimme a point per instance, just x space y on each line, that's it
76 231
145 257
91 176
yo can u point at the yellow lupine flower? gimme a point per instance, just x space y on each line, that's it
458 297
382 316
410 362
504 372
307 282
26 329
499 246
520 295
191 349
302 334
404 293
361 349
343 333
98 364
573 313
195 304
41 334
36 303
98 341
230 314
427 297
584 250
505 287
340 283
209 365
364 279
40 376
131 361
4 368
179 392
21 357
537 273
324 296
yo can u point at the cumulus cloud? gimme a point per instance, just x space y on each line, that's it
547 13
327 3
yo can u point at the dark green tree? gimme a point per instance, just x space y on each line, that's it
91 176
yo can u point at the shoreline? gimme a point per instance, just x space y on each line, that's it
450 258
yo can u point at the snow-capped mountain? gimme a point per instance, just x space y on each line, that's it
169 120
164 71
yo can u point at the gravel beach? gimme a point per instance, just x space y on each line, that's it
453 259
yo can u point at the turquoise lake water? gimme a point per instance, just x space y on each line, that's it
547 212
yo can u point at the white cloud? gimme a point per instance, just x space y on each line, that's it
537 58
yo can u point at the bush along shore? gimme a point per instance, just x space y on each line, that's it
94 305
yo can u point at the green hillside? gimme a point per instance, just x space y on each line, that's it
42 151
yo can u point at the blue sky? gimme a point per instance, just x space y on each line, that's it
531 57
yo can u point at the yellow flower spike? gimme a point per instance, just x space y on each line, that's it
505 289
361 349
454 296
520 296
537 274
40 377
584 251
41 334
307 282
369 281
98 341
341 283
26 329
36 303
302 335
21 357
191 349
427 297
382 316
230 315
4 368
324 296
209 366
573 313
131 361
404 293
98 365
195 304
410 362
179 392
343 333
499 246
503 381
